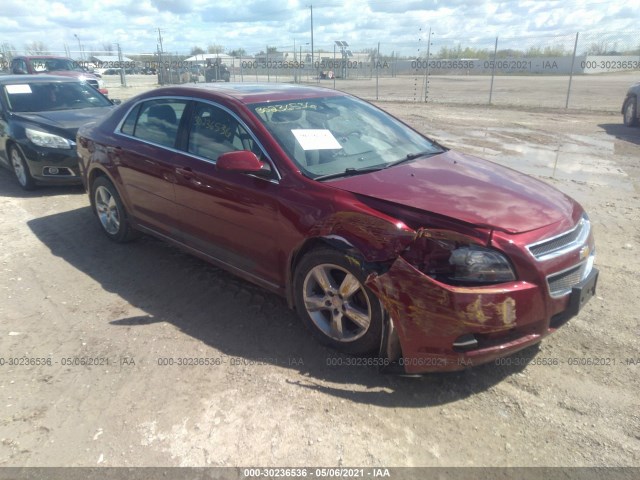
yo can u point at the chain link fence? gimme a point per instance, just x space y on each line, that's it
576 70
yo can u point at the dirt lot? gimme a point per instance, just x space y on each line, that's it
604 92
69 294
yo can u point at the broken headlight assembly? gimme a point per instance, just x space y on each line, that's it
455 263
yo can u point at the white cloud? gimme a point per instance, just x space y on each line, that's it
253 24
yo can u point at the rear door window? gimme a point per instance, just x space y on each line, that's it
156 121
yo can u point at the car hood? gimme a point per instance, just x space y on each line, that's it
64 121
468 189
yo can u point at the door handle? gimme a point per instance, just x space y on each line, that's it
185 172
188 174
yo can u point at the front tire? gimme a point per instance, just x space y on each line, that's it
630 115
336 306
21 169
110 211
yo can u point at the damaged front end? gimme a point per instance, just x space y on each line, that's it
454 302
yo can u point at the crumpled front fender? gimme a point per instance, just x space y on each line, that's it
429 316
377 239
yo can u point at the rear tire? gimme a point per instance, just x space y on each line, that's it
630 115
110 211
336 306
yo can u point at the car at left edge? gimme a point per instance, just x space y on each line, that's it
39 118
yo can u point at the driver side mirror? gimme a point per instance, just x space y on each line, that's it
242 161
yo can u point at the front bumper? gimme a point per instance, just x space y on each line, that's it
446 328
52 166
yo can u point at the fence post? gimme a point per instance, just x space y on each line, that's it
426 71
573 61
334 66
493 70
267 64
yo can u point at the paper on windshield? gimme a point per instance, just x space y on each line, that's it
12 89
316 139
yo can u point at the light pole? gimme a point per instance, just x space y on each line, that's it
301 62
344 53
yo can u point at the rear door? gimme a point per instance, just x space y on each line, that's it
147 159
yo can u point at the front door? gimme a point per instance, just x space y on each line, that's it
230 216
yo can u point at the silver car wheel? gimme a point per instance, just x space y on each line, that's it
337 303
107 210
18 167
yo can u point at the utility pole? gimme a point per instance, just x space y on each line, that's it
160 66
79 47
123 77
295 62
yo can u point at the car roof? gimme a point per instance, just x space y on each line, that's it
249 92
41 78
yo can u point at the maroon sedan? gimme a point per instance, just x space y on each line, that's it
384 241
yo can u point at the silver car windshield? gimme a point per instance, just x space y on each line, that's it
327 137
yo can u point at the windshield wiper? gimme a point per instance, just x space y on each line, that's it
357 171
413 156
349 172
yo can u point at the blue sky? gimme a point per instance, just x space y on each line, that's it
253 24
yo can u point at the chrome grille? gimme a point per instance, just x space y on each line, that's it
561 283
562 243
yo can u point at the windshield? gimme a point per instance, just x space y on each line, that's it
327 137
42 65
44 97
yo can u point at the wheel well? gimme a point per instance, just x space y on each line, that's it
96 173
390 347
9 145
631 102
334 243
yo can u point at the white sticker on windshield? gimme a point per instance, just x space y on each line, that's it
18 88
316 139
